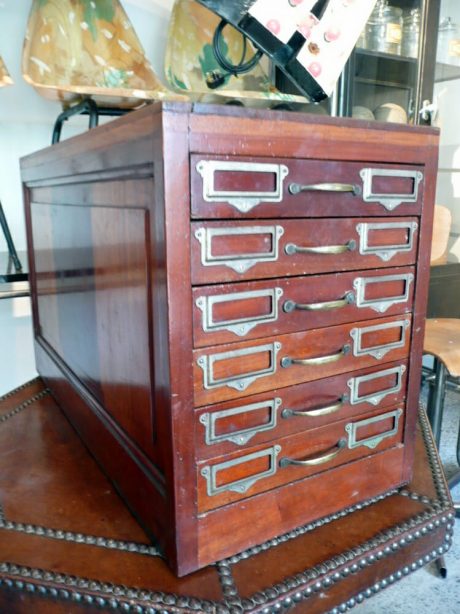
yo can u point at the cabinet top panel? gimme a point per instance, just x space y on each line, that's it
226 130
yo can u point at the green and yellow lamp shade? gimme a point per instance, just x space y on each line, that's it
190 59
5 78
81 48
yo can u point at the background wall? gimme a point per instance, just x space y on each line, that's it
26 122
447 97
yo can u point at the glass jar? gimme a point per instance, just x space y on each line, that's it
384 28
411 34
448 51
361 42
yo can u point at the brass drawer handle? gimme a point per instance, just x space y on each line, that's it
321 411
297 188
319 360
348 299
292 249
316 460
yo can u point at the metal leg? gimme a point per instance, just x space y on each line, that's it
85 107
436 400
9 241
441 567
458 446
455 479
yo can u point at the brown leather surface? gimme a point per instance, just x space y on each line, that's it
49 481
442 339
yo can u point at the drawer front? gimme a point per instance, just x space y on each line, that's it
230 426
239 369
225 187
240 475
235 251
226 313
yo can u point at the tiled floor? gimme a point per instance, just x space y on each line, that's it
424 592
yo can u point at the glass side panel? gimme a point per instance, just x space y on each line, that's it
446 102
384 67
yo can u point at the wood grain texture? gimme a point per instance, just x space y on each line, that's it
323 442
225 530
221 372
240 241
255 412
123 242
442 339
288 305
316 203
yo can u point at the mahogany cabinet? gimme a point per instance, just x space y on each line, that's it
231 304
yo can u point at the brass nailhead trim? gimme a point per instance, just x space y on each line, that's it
326 573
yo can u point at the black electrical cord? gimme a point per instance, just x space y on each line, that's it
233 69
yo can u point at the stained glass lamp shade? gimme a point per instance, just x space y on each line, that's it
77 48
189 60
5 78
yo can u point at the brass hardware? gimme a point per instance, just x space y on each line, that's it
389 201
240 263
319 360
240 382
385 252
382 304
348 299
311 413
241 200
372 442
297 188
209 472
316 460
378 351
375 397
241 437
292 249
238 326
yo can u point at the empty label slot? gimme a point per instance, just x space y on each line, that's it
378 384
387 237
384 289
226 425
229 245
244 181
241 365
242 309
374 429
387 336
245 469
393 185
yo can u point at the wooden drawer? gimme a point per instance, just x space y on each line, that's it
230 426
235 370
234 251
226 187
240 475
229 312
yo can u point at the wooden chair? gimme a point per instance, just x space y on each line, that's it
442 341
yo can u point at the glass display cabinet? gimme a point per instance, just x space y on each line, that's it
406 46
391 72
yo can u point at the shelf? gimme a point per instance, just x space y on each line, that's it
382 83
446 72
385 69
7 272
392 57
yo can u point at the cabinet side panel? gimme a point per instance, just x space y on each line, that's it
420 305
92 269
